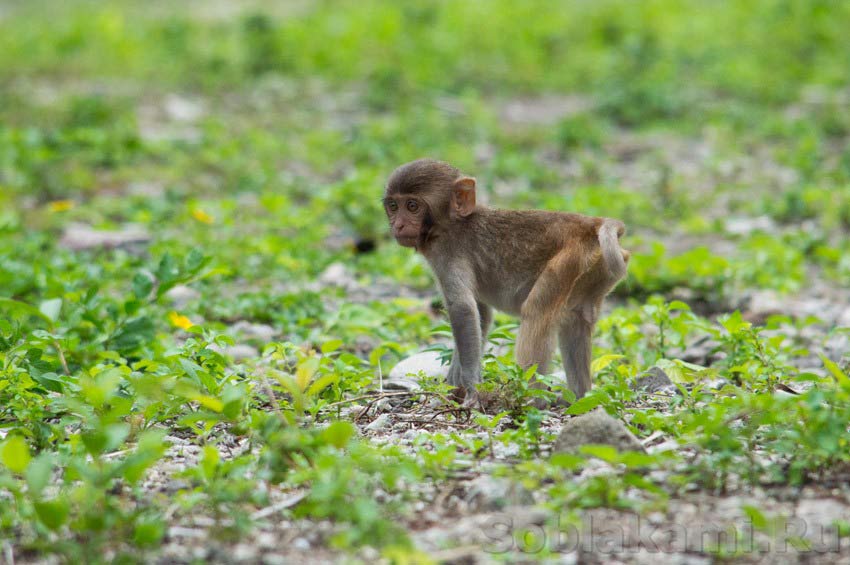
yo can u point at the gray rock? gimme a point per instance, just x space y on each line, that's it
79 237
244 552
261 332
427 362
381 422
746 225
337 274
181 295
596 427
487 494
821 512
544 110
182 109
654 380
843 318
401 383
765 302
238 352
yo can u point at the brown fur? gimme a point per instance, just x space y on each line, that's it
553 269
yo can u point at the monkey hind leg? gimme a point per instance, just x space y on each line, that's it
574 338
543 308
535 343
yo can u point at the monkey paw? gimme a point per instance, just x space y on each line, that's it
457 377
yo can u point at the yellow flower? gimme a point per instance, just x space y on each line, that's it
61 205
202 216
179 320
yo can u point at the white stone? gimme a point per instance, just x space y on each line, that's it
78 237
181 295
427 361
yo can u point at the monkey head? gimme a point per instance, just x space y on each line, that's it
423 196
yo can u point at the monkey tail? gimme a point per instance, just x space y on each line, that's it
609 241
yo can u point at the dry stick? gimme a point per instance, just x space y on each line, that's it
388 395
272 400
454 411
432 422
62 357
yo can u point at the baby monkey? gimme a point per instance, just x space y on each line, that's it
552 269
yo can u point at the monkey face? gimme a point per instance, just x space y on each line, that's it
407 215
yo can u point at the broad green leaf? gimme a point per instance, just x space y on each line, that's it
142 285
322 383
338 434
209 402
834 370
305 371
601 363
132 335
566 461
607 453
38 473
52 513
636 459
641 482
15 454
51 308
50 381
584 405
331 346
149 532
20 309
209 462
756 516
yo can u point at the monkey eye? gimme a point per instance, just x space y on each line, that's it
392 206
412 205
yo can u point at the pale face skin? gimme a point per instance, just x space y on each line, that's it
406 214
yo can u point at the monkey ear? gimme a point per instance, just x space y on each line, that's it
463 197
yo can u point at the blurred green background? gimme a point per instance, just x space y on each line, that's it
673 115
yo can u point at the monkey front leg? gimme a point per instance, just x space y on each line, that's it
485 315
465 370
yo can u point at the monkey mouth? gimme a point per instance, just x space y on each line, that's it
406 241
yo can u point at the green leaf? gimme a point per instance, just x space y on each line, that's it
142 286
322 383
52 513
15 454
331 346
51 308
566 461
132 335
209 462
209 402
38 473
607 453
338 434
636 459
50 381
305 371
195 261
641 482
22 309
840 376
601 363
584 405
149 533
756 516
